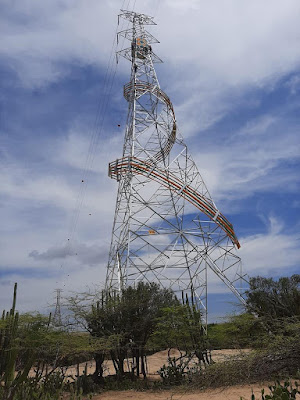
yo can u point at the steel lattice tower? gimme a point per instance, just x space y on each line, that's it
166 229
57 321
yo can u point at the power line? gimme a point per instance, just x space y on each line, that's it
95 135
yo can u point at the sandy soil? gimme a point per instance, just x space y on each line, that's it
155 362
231 393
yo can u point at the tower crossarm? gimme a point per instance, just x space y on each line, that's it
134 165
137 17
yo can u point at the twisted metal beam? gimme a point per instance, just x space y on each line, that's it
136 166
139 89
148 167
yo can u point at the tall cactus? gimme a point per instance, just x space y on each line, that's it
8 342
9 351
196 330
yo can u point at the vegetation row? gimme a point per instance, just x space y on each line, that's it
126 327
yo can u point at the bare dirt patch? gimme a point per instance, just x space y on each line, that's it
230 393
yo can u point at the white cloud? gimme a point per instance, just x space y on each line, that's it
85 254
234 42
251 160
294 84
213 53
23 185
41 209
40 41
38 294
272 253
79 151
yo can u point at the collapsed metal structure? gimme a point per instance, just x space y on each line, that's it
167 229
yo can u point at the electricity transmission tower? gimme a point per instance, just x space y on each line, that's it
166 229
57 321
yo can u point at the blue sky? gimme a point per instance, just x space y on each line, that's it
232 72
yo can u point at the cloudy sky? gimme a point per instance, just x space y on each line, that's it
231 69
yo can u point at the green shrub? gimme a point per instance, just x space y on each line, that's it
51 389
279 391
173 373
239 331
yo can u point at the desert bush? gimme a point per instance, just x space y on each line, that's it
85 384
280 360
28 342
273 309
239 331
279 391
50 388
172 373
177 371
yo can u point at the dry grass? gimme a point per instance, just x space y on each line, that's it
253 367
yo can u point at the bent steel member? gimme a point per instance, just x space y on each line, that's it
167 228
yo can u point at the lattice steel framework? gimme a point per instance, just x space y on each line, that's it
166 229
57 321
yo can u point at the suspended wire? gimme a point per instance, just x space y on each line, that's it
156 8
95 135
133 5
109 87
96 132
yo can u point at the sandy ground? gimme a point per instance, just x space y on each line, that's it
155 362
231 393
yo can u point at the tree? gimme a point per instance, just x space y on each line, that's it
240 331
276 305
127 320
141 306
274 300
180 327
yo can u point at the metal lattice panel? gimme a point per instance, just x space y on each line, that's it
166 229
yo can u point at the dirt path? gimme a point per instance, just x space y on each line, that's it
231 393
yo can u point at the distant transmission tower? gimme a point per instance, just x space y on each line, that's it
57 321
166 229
